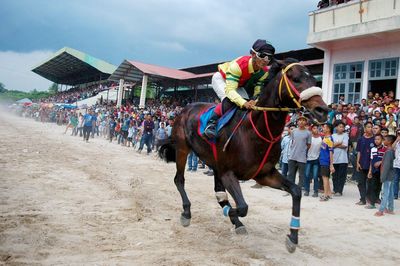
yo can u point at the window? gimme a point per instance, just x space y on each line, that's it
347 82
383 69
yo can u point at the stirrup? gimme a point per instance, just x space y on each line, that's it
210 131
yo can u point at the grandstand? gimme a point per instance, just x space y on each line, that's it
75 68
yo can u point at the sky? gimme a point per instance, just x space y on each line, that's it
172 33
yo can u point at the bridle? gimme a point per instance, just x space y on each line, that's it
293 92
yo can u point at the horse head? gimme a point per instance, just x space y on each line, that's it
297 89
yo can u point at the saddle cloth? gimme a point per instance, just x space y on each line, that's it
205 116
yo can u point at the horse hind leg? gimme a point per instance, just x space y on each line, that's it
222 198
179 180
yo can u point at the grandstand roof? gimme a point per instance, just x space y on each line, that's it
133 71
71 67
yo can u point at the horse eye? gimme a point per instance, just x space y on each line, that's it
296 80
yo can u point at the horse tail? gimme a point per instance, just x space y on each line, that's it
167 151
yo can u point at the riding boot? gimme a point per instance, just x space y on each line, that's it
211 129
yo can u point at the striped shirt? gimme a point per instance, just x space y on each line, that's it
377 156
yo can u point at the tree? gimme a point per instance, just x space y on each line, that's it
2 88
53 89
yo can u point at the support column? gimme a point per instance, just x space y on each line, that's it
397 93
143 92
326 77
120 92
364 81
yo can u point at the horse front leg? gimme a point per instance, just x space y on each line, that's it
222 198
276 180
295 192
179 180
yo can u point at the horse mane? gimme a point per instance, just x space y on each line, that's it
275 68
278 65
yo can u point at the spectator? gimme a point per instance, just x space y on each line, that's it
80 124
131 131
340 159
352 113
391 124
95 127
387 204
374 172
323 4
396 165
87 125
364 145
169 127
148 126
355 132
125 128
338 114
161 135
74 123
301 140
112 126
326 161
364 106
312 166
192 162
285 146
376 129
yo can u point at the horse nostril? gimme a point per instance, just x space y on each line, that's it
321 110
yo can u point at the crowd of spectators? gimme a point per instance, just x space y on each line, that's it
77 93
127 125
357 135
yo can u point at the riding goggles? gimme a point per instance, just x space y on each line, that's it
262 55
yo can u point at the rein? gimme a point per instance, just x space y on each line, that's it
272 140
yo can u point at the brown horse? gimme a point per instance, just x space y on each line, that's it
254 149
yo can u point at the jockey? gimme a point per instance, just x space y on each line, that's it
238 80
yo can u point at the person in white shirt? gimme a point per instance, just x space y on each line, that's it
340 158
312 165
131 131
285 146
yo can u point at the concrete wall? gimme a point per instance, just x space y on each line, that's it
363 53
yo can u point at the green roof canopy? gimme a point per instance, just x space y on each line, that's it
72 67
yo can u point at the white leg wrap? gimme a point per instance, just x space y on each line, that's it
221 196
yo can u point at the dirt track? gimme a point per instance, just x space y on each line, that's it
63 201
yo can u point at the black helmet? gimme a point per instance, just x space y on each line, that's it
262 46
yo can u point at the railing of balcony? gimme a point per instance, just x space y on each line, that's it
352 12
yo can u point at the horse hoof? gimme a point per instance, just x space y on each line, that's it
185 222
290 246
241 230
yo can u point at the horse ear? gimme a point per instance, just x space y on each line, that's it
280 63
286 62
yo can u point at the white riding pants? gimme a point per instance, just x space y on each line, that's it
218 84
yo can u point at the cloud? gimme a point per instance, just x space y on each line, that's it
171 33
15 70
169 46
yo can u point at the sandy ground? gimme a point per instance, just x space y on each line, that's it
63 201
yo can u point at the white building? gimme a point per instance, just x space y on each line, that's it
361 42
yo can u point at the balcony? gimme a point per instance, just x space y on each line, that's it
355 19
